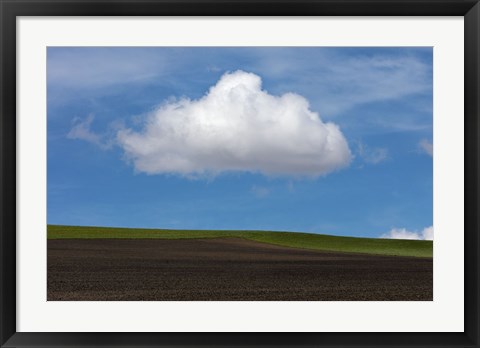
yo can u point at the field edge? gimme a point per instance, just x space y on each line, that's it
299 240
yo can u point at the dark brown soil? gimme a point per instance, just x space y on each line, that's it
227 269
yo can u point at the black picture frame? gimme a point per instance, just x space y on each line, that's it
10 10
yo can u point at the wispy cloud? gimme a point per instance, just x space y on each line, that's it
342 82
81 129
331 78
101 67
402 233
290 186
236 126
260 191
371 155
426 147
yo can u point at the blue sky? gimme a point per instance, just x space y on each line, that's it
324 140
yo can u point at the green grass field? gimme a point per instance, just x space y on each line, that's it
417 248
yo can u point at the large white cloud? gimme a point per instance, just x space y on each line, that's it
402 233
236 126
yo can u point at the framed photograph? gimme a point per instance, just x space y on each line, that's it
239 173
